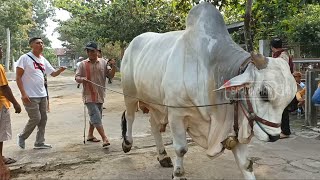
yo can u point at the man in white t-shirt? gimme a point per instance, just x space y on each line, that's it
30 71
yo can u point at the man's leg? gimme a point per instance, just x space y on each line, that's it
4 170
90 133
39 143
100 130
5 134
95 113
91 127
285 125
32 109
1 145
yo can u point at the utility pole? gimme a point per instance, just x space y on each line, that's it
247 28
8 50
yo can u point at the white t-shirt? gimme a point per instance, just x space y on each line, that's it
32 78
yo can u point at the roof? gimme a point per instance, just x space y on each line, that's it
60 51
235 26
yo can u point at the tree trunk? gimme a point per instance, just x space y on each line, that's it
122 46
247 29
8 50
12 69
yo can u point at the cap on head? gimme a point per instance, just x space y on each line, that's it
91 46
276 43
33 39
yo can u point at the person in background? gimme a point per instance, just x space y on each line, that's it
295 105
315 97
30 71
279 52
78 63
92 73
100 56
297 76
111 61
6 97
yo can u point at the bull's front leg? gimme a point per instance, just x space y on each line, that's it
178 131
240 153
163 158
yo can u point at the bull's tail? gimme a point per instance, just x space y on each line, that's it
124 125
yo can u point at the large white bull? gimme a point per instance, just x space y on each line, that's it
175 75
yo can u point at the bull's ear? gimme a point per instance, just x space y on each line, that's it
240 81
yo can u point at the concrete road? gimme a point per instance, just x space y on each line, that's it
297 157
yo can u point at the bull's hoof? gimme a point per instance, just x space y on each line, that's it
126 148
165 162
179 178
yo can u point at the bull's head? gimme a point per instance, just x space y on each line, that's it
271 88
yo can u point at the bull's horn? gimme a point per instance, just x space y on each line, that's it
259 60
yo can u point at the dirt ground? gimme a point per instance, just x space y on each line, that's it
297 157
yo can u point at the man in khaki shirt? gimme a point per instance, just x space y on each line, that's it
92 73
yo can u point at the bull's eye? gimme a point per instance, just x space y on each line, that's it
264 93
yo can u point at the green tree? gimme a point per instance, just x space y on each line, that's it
24 18
42 10
269 18
119 21
304 28
50 55
15 16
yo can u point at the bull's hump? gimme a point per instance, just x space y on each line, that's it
206 16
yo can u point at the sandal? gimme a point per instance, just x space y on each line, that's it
106 144
8 160
94 139
283 136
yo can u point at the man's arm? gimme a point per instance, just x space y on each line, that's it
6 90
24 96
79 77
58 72
300 94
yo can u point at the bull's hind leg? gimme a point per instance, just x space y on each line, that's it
127 122
178 131
240 153
163 158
